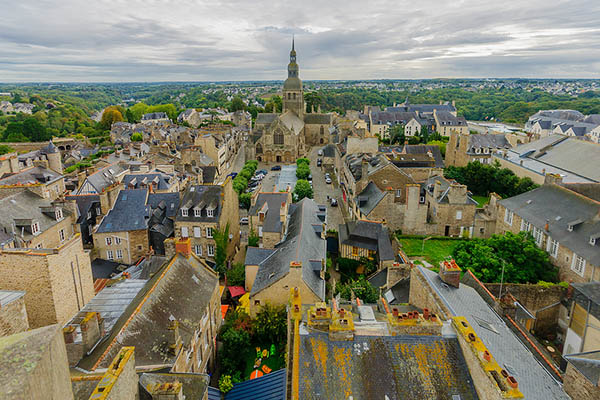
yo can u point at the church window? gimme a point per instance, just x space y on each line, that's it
259 149
278 138
294 96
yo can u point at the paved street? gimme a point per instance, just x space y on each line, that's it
322 191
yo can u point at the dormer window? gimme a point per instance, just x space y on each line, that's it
210 212
59 214
197 212
35 228
486 150
184 212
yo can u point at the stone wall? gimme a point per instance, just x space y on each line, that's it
422 295
120 382
13 317
578 386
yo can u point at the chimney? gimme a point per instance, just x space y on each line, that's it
90 330
166 391
450 273
364 170
547 226
173 337
41 163
553 179
69 333
184 247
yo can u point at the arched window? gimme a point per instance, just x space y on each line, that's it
294 96
259 149
278 138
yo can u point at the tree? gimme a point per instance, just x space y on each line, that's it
270 324
137 110
253 239
303 161
129 116
441 145
397 134
237 104
523 260
17 98
5 149
361 288
137 137
235 341
221 238
424 134
245 200
302 171
225 383
303 189
236 276
109 117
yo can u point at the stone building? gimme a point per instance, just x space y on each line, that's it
368 239
464 148
203 209
298 261
447 123
57 281
268 217
582 377
39 179
581 316
563 220
287 136
13 314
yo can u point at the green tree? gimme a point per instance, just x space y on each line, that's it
441 145
237 104
303 161
424 134
5 149
270 324
137 137
302 171
235 341
303 189
253 238
361 288
137 110
236 275
245 200
397 134
523 260
129 116
221 238
17 98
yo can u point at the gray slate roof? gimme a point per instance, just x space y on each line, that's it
587 363
169 200
367 235
321 119
84 204
301 244
534 381
558 207
201 197
445 118
368 199
31 176
265 118
137 181
129 213
256 255
272 221
106 176
490 141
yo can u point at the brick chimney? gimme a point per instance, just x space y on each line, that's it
173 337
553 179
41 163
450 273
184 247
90 330
166 391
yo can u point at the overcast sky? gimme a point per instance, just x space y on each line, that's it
192 40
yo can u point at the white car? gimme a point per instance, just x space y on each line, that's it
320 153
328 180
244 221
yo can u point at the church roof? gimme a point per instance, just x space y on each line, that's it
292 83
265 118
292 122
323 119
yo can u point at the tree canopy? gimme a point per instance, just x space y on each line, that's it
524 261
303 189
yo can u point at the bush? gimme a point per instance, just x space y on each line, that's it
225 383
270 324
302 161
137 137
234 341
236 276
361 288
253 239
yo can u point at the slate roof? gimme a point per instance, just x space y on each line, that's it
193 386
8 296
321 119
201 197
291 121
84 204
422 108
170 201
209 173
155 115
587 363
367 235
587 295
382 367
490 141
271 386
416 149
368 199
138 181
535 381
446 118
106 176
265 118
354 163
102 269
129 213
558 207
179 290
329 150
256 255
272 221
301 244
392 117
31 176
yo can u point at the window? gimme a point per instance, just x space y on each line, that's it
58 213
459 214
35 228
538 235
109 255
39 245
354 251
197 231
398 192
210 249
119 254
117 240
525 226
184 212
278 138
209 212
197 212
90 229
553 248
578 264
260 231
98 211
198 250
108 241
61 235
209 232
508 216
89 215
257 302
184 231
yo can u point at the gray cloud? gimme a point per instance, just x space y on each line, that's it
153 40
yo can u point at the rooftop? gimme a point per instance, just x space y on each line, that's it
129 213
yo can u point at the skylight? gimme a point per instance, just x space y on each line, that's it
486 325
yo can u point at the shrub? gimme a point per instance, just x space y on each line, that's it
225 383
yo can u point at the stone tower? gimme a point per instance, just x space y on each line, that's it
293 99
54 158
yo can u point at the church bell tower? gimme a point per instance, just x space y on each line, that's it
293 98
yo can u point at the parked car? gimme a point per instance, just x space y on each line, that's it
319 162
328 180
262 171
276 168
233 175
333 202
244 221
320 153
310 178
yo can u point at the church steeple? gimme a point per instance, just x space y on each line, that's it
293 98
292 66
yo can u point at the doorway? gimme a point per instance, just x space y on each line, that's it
447 230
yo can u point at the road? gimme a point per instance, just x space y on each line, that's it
323 191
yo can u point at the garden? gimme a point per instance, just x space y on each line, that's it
431 249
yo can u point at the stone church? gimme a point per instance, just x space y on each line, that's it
287 136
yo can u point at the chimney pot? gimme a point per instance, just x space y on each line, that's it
512 382
471 337
184 247
487 356
395 312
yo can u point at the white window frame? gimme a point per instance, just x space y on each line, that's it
210 212
578 265
184 212
108 240
458 214
89 215
198 250
61 235
184 232
119 254
210 250
197 212
110 255
260 231
35 228
209 232
525 226
197 231
398 192
117 240
508 216
552 247
98 211
59 214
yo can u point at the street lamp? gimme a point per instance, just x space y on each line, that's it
423 246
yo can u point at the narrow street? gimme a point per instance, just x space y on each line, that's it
323 191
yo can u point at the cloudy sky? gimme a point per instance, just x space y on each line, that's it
194 40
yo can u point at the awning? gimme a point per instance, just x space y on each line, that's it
236 290
224 308
221 290
245 303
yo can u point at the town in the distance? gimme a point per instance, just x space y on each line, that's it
329 240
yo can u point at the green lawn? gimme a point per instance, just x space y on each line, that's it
435 250
482 200
274 362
